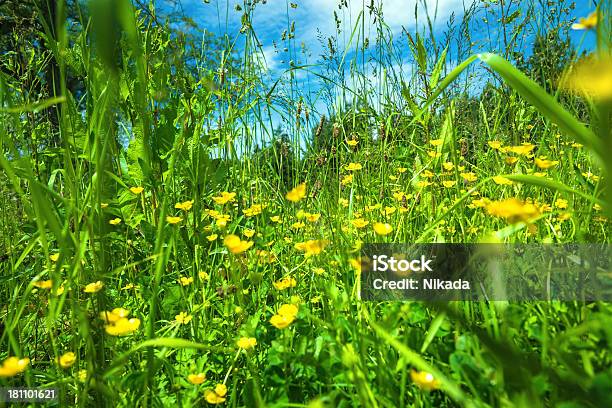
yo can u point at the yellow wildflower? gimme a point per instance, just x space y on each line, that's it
246 343
424 380
561 203
185 206
66 360
216 396
115 221
183 318
347 179
285 283
513 210
13 366
353 166
591 76
173 220
449 183
122 326
46 284
224 198
545 164
586 23
382 228
114 315
184 280
253 210
196 379
136 190
297 193
502 181
212 237
494 144
235 245
510 160
311 247
54 257
469 177
93 287
359 223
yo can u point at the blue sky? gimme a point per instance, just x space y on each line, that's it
314 22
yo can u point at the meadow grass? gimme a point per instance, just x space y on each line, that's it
162 245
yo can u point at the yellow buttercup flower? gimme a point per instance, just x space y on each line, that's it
502 181
173 220
311 247
212 237
382 228
347 179
66 360
513 210
136 190
312 217
545 164
285 283
115 221
183 318
561 203
253 210
235 245
510 160
196 379
449 183
522 150
587 23
117 323
46 284
353 166
275 218
246 343
352 142
224 198
216 396
54 257
288 309
248 233
185 206
448 166
93 287
469 177
494 144
184 281
123 326
424 380
591 77
297 193
114 315
13 366
360 222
